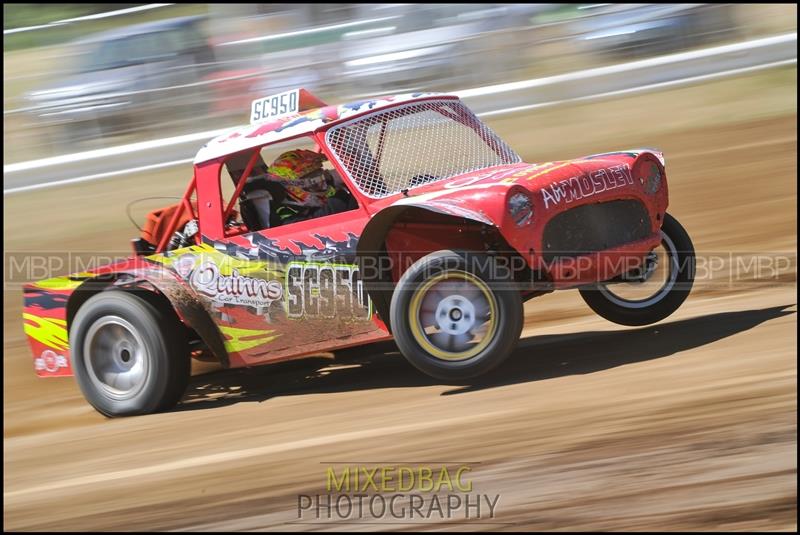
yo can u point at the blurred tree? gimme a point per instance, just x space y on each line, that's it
25 15
21 15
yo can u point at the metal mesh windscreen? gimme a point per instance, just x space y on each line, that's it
415 144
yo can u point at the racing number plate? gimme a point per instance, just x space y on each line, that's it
274 106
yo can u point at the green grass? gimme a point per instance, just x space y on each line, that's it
67 32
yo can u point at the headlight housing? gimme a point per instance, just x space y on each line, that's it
649 174
520 208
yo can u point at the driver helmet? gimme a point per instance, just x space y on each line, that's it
295 164
300 171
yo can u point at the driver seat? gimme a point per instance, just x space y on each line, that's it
257 215
260 197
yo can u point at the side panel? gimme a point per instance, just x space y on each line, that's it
407 242
283 292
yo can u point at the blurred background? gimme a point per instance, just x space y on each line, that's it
84 76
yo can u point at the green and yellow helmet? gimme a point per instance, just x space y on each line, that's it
295 164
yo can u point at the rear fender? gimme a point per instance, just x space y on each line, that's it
51 305
180 298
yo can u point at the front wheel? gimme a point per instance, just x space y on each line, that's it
129 356
662 287
455 315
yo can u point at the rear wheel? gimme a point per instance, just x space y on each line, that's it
661 288
129 356
453 317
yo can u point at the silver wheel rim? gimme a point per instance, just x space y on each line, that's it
455 315
115 357
671 277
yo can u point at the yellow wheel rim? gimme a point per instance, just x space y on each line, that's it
453 315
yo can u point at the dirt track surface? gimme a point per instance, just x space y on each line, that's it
687 424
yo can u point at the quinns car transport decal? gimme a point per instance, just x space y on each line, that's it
235 288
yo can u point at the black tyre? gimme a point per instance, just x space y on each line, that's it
129 356
454 317
664 288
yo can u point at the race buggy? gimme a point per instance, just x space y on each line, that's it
445 234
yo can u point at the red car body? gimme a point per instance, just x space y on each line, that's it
258 297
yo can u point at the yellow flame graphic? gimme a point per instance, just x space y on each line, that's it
64 283
51 332
225 263
243 339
